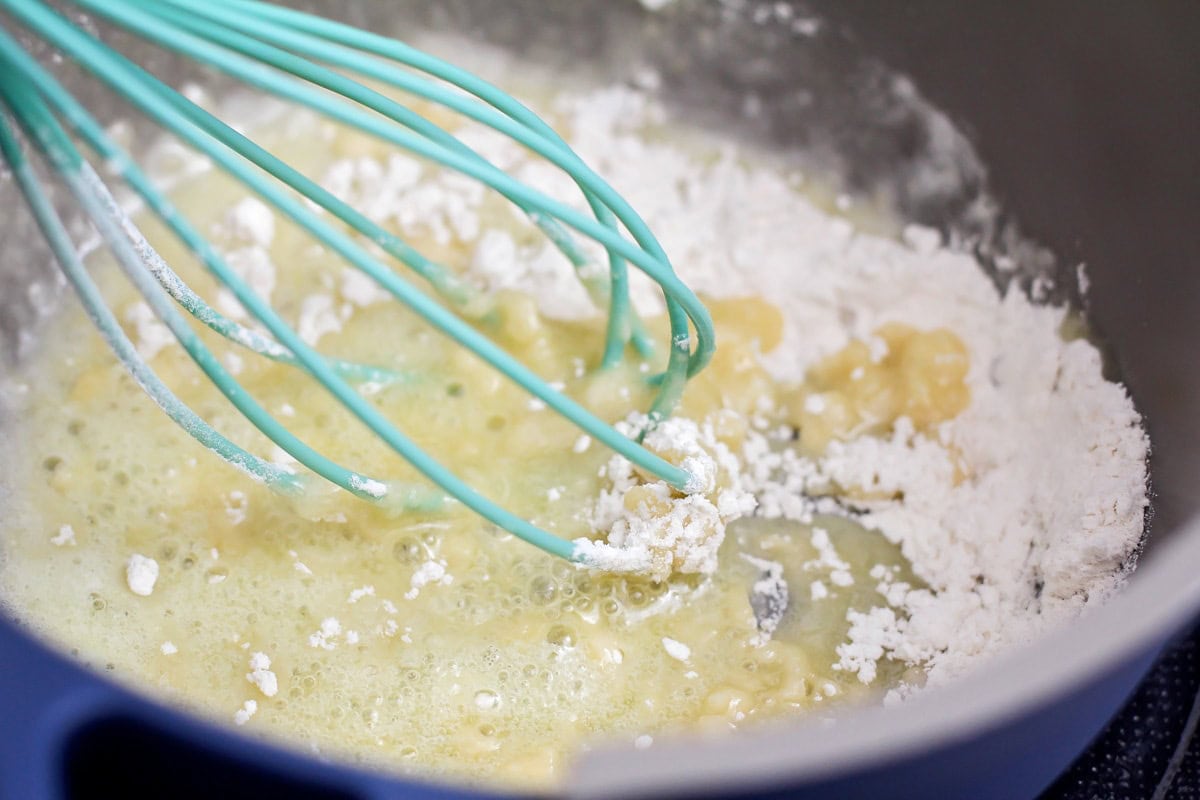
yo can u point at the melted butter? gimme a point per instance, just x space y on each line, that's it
916 374
503 672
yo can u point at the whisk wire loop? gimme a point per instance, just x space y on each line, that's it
169 26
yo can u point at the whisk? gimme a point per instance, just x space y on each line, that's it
309 60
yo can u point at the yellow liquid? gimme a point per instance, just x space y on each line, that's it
499 676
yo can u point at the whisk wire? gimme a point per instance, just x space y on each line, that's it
227 148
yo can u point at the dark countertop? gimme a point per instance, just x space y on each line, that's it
1150 749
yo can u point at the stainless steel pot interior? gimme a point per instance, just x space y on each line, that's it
1074 121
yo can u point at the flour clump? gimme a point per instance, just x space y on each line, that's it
650 526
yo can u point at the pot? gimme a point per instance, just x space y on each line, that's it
966 117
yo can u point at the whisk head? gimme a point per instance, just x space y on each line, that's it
320 64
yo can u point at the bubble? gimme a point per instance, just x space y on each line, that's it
542 590
561 636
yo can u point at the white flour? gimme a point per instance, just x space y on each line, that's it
651 527
1016 514
1046 511
243 714
141 573
260 674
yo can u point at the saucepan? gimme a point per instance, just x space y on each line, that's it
1053 135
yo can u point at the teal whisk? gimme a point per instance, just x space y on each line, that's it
308 60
